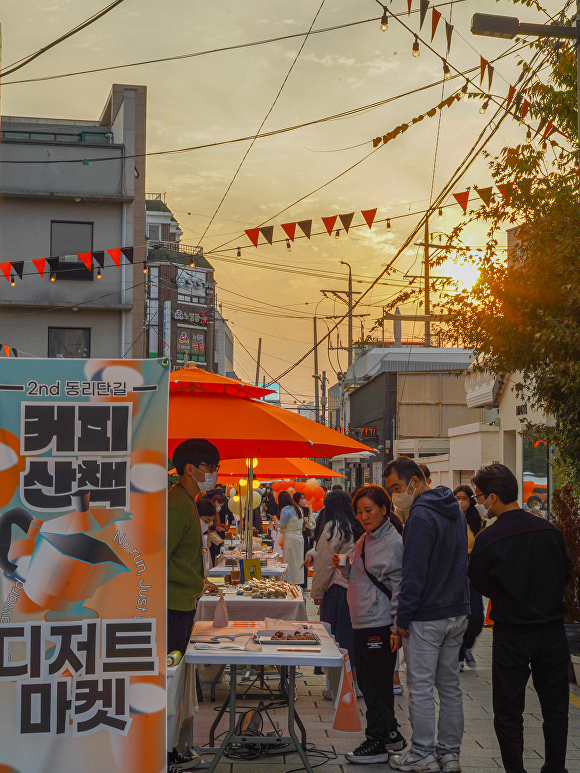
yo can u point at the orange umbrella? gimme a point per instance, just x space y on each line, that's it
270 468
251 428
198 380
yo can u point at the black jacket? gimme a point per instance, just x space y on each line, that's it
521 563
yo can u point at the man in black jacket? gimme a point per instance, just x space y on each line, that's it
521 563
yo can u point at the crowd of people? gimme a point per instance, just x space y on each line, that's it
403 569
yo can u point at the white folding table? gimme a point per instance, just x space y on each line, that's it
280 656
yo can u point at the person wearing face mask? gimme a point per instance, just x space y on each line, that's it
522 565
212 529
475 523
298 498
432 611
534 505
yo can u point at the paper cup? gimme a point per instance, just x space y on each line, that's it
342 559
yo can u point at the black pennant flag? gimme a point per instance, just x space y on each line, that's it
423 11
18 266
448 33
268 233
53 263
128 253
346 220
306 227
490 71
99 258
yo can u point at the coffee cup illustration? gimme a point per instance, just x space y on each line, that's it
67 565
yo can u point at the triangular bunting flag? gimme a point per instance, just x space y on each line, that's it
436 16
517 102
423 12
289 229
409 4
268 233
253 235
306 227
485 195
376 142
369 216
549 130
525 108
53 265
541 125
510 96
6 268
482 68
346 220
99 258
448 33
490 71
128 253
329 223
40 265
86 258
18 267
462 199
115 256
505 191
6 350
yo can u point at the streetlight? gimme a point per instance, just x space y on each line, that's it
509 26
344 263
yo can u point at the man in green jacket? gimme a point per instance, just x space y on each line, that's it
197 463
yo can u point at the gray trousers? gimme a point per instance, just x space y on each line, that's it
431 653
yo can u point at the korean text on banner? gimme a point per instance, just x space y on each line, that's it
83 500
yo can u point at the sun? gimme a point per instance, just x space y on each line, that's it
465 273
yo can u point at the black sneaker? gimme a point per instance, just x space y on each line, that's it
370 751
187 760
396 742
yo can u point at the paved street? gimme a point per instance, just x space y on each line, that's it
480 750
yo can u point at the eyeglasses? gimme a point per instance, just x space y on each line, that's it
478 495
211 467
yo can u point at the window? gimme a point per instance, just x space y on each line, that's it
67 239
154 232
69 342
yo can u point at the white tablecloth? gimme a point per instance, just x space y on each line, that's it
245 608
267 571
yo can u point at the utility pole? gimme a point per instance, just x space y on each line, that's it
257 381
344 263
316 392
427 283
323 399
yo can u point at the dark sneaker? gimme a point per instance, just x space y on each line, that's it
469 659
370 751
187 760
396 742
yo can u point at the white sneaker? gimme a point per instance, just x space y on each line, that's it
461 665
398 689
449 762
415 763
357 693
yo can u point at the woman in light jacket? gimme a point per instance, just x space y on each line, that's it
374 580
329 585
290 523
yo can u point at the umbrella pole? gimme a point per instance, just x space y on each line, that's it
249 508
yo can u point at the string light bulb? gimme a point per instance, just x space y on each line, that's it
384 20
484 107
416 51
388 225
440 213
239 253
145 269
529 135
288 245
53 277
446 70
337 233
12 282
191 263
99 274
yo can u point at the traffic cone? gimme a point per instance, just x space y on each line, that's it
488 621
346 715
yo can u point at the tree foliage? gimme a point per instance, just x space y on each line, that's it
523 314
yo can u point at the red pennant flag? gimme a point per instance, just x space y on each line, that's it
511 95
253 235
268 233
346 220
329 223
6 350
434 22
306 227
409 4
369 216
525 108
462 199
505 191
115 256
86 258
485 195
40 264
482 68
290 230
6 268
548 131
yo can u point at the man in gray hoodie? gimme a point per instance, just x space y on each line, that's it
433 605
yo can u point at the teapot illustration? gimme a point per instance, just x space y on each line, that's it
67 564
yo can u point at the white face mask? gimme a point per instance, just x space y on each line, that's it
204 527
405 500
210 479
484 510
535 508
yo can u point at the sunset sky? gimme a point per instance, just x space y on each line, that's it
224 95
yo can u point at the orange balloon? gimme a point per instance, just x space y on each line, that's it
292 484
308 492
318 492
276 486
318 504
300 487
